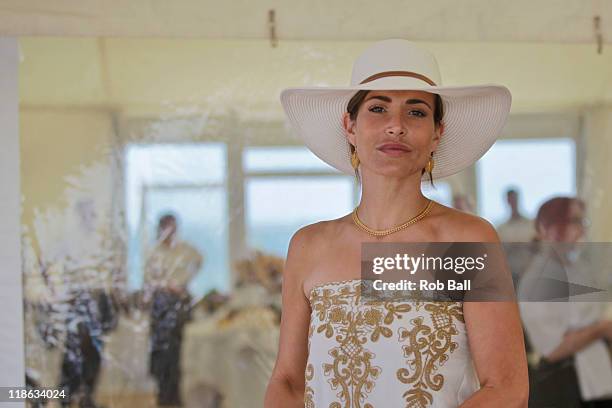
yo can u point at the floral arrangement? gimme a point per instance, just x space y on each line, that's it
261 268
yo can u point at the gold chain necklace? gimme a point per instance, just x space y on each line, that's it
385 232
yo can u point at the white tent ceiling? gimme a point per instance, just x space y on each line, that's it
544 51
155 76
567 21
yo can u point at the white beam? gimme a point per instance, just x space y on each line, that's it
12 373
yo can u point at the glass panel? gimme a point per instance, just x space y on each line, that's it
537 168
277 207
115 132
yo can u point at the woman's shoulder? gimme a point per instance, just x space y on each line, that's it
316 234
310 244
454 225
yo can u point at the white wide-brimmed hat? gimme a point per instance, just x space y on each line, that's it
473 115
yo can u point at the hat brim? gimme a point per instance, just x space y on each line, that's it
473 119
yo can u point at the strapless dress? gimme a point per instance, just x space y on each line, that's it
367 353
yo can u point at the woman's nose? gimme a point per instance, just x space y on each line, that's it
395 126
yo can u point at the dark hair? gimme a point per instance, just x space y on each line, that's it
166 219
357 100
556 212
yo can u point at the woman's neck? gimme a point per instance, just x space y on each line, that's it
387 202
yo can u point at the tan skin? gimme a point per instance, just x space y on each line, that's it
391 194
575 340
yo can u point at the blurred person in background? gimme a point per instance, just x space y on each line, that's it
517 228
570 362
169 268
80 279
514 233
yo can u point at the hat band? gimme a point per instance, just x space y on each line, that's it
398 73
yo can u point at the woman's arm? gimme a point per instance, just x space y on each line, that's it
575 340
496 344
498 351
287 383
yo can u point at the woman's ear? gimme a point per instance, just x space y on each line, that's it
438 132
349 128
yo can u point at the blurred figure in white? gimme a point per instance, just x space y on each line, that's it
517 228
569 356
169 268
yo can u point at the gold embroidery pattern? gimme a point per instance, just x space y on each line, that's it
309 392
428 348
342 313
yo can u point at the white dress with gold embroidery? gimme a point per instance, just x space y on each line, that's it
378 354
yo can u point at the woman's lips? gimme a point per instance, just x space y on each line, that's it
394 149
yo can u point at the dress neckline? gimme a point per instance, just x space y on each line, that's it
331 283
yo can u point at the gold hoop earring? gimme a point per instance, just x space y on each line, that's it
430 165
354 160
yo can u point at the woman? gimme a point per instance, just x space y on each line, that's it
568 336
334 351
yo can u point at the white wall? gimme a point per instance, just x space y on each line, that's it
11 318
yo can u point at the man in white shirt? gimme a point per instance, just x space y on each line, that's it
169 268
514 234
517 228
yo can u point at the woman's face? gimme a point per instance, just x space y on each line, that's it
570 230
394 132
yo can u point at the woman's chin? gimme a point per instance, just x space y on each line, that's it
395 171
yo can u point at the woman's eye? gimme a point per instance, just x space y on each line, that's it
417 113
376 109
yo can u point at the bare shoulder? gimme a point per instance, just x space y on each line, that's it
458 226
312 239
314 236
